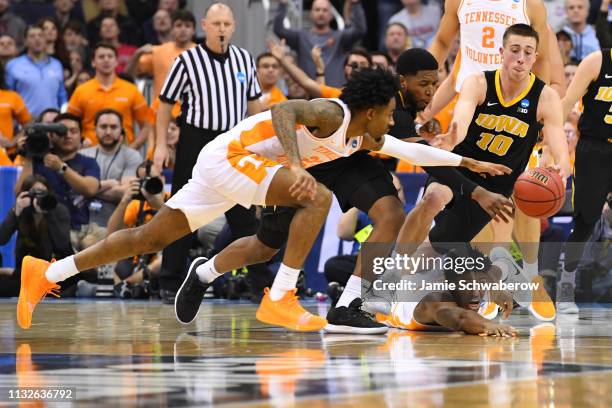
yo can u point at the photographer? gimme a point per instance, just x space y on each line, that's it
42 224
74 178
143 198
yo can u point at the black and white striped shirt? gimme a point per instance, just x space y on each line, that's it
214 88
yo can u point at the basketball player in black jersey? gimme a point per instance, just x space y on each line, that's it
497 118
593 165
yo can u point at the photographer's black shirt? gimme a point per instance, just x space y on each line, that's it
76 203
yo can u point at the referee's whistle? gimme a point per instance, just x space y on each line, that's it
222 40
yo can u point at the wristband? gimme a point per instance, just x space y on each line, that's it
63 169
320 74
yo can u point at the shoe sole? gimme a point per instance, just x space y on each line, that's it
181 288
339 329
571 310
540 317
22 302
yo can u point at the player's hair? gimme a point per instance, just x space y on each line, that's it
262 56
108 111
522 30
69 116
411 61
103 45
466 252
368 88
184 16
358 51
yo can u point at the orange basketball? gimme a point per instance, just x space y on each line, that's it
539 192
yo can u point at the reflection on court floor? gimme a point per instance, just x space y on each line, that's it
128 354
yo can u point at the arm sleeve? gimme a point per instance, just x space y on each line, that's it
8 77
91 169
8 227
358 27
21 111
129 217
292 37
62 95
74 104
145 64
418 154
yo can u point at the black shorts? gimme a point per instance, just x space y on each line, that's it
461 220
592 178
357 181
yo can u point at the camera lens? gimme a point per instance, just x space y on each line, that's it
153 185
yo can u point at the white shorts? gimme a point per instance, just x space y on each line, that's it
220 181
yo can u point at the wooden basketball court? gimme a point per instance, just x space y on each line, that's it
112 353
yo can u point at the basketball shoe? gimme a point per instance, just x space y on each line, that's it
566 300
538 302
287 312
353 319
34 288
189 296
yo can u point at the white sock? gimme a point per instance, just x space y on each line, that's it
352 291
568 277
503 267
207 272
61 270
530 270
285 280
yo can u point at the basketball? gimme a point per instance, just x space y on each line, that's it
539 192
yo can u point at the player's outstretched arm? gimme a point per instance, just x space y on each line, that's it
448 314
424 155
550 109
473 93
587 72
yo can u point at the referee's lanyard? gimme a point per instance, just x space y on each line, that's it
109 164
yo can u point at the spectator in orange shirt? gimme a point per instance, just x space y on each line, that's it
268 74
106 90
109 33
156 60
12 108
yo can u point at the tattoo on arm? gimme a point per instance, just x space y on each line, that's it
318 114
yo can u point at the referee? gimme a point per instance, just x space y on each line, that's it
217 84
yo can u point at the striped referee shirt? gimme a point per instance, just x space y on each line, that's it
214 88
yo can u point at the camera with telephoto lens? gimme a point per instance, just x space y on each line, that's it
37 142
152 185
46 201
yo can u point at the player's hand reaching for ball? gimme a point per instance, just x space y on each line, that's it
556 168
304 186
448 140
481 167
498 207
498 330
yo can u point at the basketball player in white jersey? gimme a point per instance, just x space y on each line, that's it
243 166
481 24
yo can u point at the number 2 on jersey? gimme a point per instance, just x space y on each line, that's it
488 37
496 144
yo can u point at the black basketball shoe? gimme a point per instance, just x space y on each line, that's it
190 294
353 320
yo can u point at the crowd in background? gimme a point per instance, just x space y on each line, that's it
74 63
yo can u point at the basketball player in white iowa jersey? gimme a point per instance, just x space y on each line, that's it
481 24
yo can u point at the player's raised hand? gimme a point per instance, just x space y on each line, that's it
446 141
304 186
498 207
482 167
499 330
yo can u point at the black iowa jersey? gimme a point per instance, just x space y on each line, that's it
503 132
596 120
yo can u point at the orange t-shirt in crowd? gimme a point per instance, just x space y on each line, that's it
273 97
122 96
158 63
12 108
4 159
329 91
130 217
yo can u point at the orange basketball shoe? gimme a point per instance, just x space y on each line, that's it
541 306
287 312
34 288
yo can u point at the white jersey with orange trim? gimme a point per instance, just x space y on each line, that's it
482 24
256 135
